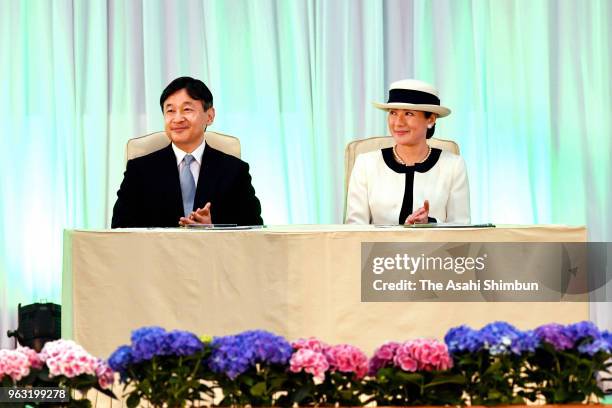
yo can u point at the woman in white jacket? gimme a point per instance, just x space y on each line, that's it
409 182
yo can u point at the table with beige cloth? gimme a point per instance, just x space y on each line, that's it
293 280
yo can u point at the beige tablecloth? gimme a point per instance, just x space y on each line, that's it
294 280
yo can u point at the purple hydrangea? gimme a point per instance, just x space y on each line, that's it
499 336
463 339
233 355
556 335
120 360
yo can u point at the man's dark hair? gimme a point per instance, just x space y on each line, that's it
195 88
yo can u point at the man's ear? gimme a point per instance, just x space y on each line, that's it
210 115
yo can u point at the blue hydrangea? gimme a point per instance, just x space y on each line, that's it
182 343
582 330
146 332
233 355
607 336
526 341
593 347
498 337
268 347
463 339
147 343
120 360
229 356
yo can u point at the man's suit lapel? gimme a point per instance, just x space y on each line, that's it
209 177
169 177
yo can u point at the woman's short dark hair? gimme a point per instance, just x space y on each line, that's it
195 88
430 132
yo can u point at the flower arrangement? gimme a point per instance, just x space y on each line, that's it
308 366
16 364
309 357
416 372
553 363
343 381
163 367
490 360
61 363
250 367
564 365
497 364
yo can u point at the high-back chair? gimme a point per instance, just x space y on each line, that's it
143 145
356 147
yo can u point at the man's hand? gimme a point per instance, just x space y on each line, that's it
199 216
420 216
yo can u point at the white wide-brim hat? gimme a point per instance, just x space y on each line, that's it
413 94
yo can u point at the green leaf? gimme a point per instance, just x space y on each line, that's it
385 372
80 403
446 379
560 395
133 400
494 394
248 380
259 389
303 392
495 367
413 378
277 383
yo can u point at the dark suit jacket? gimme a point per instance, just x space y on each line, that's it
150 194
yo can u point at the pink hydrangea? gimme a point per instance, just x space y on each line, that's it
311 361
347 359
310 343
105 374
386 352
404 358
65 357
423 354
383 356
14 364
33 357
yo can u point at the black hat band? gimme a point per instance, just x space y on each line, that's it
413 97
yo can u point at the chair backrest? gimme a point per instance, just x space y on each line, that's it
356 147
143 145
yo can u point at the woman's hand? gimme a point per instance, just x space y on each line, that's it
420 216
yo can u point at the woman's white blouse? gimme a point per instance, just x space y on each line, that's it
382 191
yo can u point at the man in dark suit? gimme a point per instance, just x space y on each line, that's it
188 181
